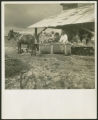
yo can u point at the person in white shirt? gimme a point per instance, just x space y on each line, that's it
51 39
64 38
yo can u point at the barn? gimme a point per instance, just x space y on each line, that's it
75 18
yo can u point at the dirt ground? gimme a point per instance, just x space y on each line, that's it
47 71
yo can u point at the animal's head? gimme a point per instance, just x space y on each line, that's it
13 35
10 34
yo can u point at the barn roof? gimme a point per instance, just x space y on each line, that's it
73 16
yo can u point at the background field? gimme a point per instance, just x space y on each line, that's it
57 71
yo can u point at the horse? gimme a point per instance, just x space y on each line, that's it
27 39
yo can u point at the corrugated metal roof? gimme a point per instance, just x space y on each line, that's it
72 16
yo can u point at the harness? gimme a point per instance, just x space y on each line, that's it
20 36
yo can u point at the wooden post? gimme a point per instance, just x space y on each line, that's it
36 34
51 49
70 50
65 49
39 50
37 38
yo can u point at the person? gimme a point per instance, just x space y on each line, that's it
76 39
63 38
56 37
42 37
85 39
51 38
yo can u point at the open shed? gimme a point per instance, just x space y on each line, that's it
82 17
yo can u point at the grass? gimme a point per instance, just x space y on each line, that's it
13 66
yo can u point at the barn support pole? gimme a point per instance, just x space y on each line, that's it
37 38
36 34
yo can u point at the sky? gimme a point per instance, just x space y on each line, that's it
24 15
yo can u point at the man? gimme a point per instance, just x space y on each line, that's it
64 38
56 37
51 38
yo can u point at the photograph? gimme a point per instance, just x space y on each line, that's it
49 45
49 59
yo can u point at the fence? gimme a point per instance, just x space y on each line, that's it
82 50
55 48
67 49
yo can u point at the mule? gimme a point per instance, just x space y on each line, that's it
27 39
